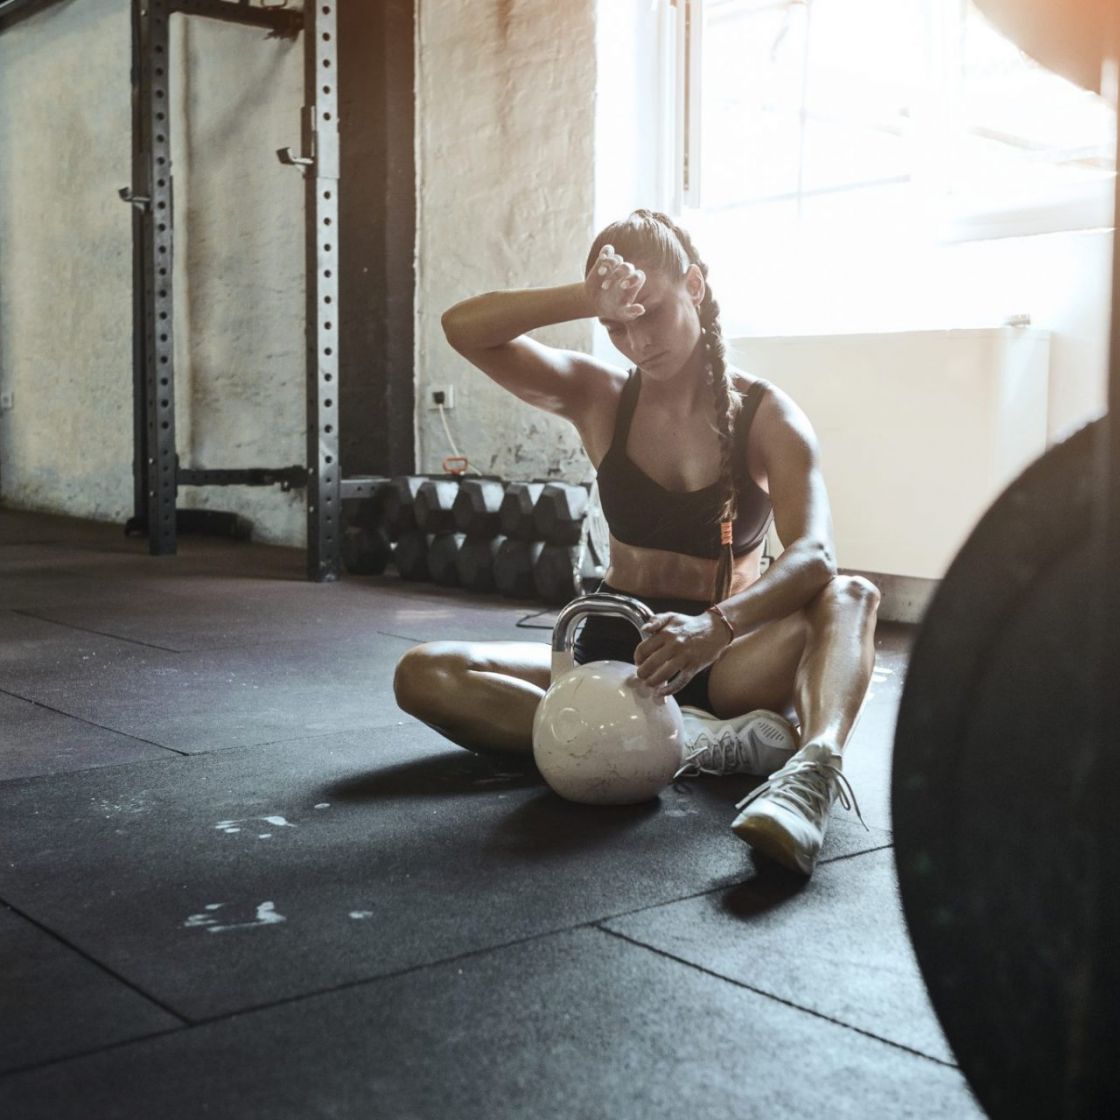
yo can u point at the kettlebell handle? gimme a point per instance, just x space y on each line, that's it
600 603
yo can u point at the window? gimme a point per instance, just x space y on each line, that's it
887 118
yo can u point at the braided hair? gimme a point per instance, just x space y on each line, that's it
655 242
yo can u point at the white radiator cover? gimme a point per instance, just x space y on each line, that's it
919 431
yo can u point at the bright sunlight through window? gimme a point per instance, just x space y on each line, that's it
883 119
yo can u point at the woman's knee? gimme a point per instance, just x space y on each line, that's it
847 594
428 672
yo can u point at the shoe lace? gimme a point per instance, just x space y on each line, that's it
715 755
810 786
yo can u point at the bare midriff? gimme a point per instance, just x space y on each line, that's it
656 574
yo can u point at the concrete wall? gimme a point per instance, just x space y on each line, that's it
505 155
66 263
240 280
505 147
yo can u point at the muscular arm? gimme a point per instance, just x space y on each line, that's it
788 449
490 331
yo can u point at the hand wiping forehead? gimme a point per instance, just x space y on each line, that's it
613 285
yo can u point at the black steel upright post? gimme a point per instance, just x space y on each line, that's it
153 17
377 220
139 358
320 143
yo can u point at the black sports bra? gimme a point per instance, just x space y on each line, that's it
645 514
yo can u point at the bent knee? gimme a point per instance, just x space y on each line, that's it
426 672
845 592
861 589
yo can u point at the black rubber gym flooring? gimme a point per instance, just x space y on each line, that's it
236 881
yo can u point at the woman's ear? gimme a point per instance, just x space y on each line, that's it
695 283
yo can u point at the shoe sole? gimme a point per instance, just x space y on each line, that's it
765 836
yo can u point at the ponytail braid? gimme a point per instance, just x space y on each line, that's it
715 363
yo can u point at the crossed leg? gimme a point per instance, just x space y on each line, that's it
786 817
480 695
816 663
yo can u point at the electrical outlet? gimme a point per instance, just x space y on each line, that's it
6 400
441 395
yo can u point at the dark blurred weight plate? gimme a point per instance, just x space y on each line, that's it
993 733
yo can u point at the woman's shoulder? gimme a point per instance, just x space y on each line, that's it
748 385
598 409
771 396
593 383
774 411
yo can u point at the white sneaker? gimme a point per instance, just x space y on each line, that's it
786 817
756 743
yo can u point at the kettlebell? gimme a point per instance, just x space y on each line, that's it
601 736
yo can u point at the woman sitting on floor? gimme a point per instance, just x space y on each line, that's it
694 460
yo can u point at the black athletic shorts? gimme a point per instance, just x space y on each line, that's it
607 638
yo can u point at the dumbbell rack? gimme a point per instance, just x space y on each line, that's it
156 470
520 539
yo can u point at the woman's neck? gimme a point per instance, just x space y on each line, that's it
686 391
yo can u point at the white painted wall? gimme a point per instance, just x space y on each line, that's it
919 431
505 169
1061 280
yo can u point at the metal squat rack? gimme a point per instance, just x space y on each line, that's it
157 475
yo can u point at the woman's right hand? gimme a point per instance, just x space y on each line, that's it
613 285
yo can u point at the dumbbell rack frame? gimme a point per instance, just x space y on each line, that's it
157 475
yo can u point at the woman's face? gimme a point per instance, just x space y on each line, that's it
667 337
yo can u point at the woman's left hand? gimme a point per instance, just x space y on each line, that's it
676 647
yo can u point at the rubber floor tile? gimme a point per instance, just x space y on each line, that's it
56 1003
35 740
215 613
203 701
838 947
272 872
578 1026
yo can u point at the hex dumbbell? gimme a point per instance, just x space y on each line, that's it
516 512
365 551
559 512
410 556
513 567
434 505
443 558
476 562
477 507
558 575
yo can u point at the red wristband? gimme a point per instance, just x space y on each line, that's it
718 612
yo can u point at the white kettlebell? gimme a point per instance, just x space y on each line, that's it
601 736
